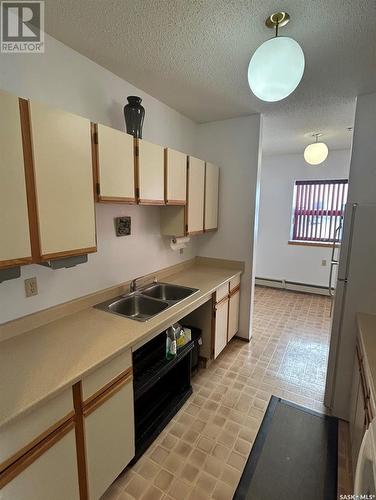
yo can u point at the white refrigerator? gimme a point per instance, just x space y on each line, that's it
355 291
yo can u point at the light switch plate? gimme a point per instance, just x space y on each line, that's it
31 287
123 226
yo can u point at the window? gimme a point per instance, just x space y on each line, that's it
318 210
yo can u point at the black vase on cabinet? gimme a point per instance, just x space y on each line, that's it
134 114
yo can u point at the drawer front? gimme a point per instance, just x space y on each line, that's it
17 435
234 282
222 292
97 380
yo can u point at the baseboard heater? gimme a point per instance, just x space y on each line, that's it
293 286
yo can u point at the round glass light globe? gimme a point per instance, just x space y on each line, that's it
276 69
316 153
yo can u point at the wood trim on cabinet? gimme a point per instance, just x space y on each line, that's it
80 441
26 449
235 290
186 222
220 302
136 149
105 395
28 155
96 176
143 201
15 262
211 230
212 347
67 253
176 202
201 231
165 173
116 199
94 159
203 218
36 451
126 373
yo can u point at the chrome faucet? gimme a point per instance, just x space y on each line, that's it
133 285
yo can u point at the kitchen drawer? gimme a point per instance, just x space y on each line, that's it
106 374
23 431
234 282
221 292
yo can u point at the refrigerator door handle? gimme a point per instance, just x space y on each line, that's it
331 289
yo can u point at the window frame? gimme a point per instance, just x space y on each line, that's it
304 198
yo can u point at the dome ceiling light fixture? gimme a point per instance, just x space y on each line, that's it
277 66
316 153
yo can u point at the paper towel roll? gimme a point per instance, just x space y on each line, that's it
179 243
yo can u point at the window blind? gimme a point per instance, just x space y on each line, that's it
318 210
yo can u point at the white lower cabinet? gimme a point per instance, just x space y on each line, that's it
226 314
53 475
220 326
109 437
233 314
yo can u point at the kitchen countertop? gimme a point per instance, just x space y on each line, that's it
367 335
36 365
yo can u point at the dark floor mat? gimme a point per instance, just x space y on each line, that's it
294 456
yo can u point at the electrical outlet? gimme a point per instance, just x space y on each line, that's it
323 262
31 287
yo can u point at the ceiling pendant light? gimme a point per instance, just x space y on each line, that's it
277 66
316 153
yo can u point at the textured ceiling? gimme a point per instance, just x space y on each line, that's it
193 55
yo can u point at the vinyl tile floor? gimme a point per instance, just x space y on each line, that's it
202 452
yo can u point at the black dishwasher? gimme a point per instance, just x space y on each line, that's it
160 387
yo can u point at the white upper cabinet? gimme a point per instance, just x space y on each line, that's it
114 159
211 197
150 166
15 245
196 192
64 182
176 177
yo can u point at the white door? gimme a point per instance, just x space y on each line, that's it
233 314
220 326
176 177
15 245
52 476
211 197
64 181
196 192
109 438
115 165
150 173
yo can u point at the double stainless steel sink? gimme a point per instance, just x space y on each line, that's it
147 302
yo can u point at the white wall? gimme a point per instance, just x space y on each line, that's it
276 259
234 146
63 78
362 183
